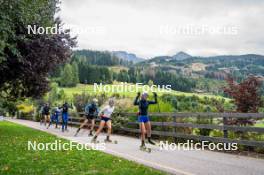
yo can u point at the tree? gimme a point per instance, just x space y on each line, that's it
123 76
75 72
246 94
53 94
67 76
150 83
62 95
8 106
132 74
26 58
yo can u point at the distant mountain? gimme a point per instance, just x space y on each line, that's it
223 60
127 56
181 56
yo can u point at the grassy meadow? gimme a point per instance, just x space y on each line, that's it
80 88
15 158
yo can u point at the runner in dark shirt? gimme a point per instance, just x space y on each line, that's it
46 112
143 118
65 107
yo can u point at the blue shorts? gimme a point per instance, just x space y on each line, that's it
106 119
143 119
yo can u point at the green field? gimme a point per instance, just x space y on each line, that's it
15 158
260 124
80 88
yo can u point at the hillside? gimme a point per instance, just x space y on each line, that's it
182 71
106 58
216 67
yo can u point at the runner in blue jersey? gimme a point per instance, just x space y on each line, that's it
91 112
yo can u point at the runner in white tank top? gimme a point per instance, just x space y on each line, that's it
105 114
107 111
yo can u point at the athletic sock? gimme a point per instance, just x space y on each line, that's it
78 130
149 139
142 143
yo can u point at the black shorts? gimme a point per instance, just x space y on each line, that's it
90 117
106 119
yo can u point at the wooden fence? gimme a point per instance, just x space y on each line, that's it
222 126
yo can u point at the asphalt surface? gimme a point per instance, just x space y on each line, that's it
200 162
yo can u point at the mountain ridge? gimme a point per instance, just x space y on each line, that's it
127 56
181 56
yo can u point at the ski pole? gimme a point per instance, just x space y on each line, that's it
156 96
158 106
71 116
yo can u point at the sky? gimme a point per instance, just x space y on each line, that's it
151 28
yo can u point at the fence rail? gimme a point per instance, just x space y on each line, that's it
175 125
201 138
222 127
206 126
205 114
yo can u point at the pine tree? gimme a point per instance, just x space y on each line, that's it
75 71
67 76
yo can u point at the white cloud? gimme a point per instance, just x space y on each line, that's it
135 25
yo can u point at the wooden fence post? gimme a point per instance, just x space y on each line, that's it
224 128
163 127
174 128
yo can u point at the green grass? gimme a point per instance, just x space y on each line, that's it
16 159
261 125
117 69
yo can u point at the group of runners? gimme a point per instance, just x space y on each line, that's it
48 119
93 112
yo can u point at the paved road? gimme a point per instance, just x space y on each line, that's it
174 162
